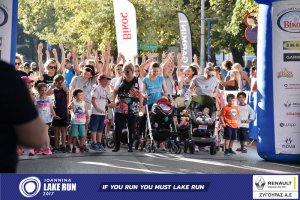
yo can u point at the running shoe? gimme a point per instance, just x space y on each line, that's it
47 151
32 152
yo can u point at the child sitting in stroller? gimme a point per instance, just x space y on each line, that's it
203 118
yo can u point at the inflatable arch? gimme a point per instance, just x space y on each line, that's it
278 104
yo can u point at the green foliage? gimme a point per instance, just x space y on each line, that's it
75 22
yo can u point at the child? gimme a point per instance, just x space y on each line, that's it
45 109
79 119
60 92
99 96
229 120
203 119
184 119
246 116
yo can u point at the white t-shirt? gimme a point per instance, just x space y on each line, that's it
78 82
205 86
245 111
43 107
78 115
100 94
114 81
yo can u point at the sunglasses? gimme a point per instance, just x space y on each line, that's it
17 63
88 70
210 75
52 67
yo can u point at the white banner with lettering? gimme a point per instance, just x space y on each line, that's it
126 30
286 76
185 39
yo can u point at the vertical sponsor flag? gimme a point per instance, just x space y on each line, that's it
186 39
126 31
8 29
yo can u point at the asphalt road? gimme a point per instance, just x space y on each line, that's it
123 162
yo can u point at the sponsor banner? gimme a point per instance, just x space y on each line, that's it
126 30
8 29
275 187
129 186
291 57
286 73
291 45
185 39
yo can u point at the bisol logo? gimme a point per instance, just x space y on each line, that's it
29 187
290 22
3 15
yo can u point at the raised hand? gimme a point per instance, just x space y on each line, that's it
195 58
90 45
163 55
74 52
40 47
54 52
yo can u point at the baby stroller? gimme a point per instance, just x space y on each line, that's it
201 131
181 118
160 125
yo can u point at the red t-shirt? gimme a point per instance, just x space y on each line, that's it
230 115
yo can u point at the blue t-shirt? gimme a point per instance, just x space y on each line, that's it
154 88
69 74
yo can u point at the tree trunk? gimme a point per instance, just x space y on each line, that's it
238 56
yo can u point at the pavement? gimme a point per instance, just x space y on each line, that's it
123 162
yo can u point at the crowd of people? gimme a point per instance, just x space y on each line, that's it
91 92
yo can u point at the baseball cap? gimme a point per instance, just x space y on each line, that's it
27 79
101 76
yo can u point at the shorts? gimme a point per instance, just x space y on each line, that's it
230 133
243 134
97 123
64 121
78 130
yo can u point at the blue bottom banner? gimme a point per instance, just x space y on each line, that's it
135 186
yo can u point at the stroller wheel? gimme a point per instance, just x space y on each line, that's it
213 149
192 147
143 144
185 146
136 144
178 149
148 148
110 143
173 148
153 148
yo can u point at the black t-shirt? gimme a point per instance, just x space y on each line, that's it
21 73
47 79
60 103
16 109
